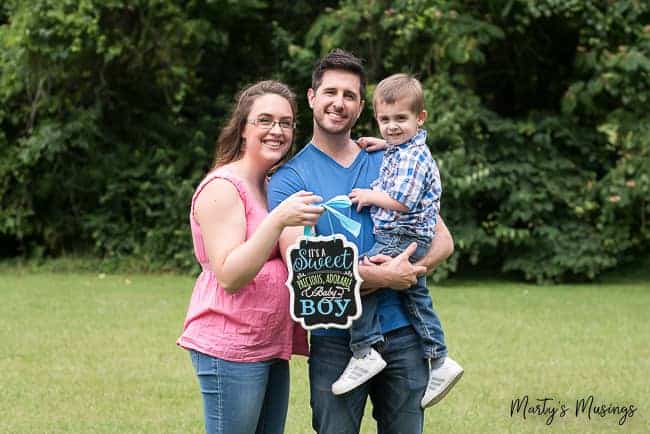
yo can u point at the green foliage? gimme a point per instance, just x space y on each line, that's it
537 118
107 122
85 82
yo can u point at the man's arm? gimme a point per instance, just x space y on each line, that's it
386 272
398 273
442 247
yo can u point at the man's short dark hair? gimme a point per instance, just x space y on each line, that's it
339 59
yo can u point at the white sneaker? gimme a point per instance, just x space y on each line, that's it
358 372
441 380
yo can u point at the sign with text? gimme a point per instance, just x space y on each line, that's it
324 282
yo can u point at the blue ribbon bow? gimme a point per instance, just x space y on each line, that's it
340 202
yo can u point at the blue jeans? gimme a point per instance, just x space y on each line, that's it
243 398
366 331
395 392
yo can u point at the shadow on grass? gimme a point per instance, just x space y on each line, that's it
637 271
87 264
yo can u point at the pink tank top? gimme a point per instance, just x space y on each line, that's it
253 324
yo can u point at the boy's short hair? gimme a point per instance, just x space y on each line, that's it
342 60
397 87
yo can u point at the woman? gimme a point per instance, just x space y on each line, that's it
238 329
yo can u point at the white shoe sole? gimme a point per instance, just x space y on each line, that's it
445 391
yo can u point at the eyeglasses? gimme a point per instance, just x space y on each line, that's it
268 123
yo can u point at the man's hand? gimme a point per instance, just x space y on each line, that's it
396 273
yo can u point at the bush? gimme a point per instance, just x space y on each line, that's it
537 120
109 110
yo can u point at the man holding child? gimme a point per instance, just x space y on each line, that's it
330 165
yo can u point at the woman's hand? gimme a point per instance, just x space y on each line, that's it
372 144
297 211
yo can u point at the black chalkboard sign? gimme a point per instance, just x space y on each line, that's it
324 281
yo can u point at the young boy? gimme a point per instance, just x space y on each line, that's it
405 202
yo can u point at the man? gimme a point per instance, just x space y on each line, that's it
330 165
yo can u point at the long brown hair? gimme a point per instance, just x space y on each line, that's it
229 144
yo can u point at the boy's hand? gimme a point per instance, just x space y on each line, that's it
372 144
362 197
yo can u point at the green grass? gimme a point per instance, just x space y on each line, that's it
84 354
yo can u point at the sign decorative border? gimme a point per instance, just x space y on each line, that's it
328 287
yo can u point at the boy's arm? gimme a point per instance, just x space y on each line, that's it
372 144
365 197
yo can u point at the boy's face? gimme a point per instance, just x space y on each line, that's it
397 122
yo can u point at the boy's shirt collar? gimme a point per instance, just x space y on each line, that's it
419 139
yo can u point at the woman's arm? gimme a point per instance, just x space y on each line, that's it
221 216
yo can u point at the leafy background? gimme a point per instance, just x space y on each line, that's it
538 118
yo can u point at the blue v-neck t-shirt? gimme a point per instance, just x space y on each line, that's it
313 170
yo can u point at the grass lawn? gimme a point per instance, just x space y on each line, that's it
88 353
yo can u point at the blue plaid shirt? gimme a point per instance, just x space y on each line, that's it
409 175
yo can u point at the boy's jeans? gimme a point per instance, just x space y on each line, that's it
365 331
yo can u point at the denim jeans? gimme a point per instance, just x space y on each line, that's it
366 331
395 392
241 397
